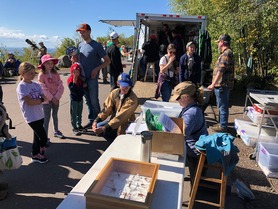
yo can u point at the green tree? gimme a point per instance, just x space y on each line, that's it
252 25
61 49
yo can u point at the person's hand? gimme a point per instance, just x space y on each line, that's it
172 59
94 73
99 130
210 87
55 101
75 78
94 126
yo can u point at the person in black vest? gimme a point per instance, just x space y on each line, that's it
151 54
115 68
190 65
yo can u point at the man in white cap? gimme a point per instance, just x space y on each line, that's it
115 68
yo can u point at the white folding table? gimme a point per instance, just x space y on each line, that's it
168 190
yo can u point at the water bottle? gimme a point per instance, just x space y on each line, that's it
146 146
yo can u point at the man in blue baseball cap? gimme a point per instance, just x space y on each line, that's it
120 104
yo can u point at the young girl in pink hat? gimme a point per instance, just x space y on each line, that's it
53 89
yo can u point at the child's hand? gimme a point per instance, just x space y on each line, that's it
55 101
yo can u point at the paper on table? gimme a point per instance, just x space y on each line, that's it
131 128
169 124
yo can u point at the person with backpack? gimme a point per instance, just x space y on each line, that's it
120 104
190 65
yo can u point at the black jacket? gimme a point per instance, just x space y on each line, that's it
115 67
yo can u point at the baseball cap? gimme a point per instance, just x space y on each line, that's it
224 37
186 87
71 50
114 35
83 27
190 43
124 80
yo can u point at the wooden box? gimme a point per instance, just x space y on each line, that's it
96 199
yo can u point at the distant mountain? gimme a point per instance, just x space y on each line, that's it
20 50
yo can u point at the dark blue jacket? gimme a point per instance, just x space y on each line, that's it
186 74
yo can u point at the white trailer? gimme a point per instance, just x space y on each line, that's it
151 24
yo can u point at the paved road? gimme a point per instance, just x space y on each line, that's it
45 186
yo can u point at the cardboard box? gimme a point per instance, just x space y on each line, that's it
96 200
170 143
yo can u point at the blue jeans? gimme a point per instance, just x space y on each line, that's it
76 108
91 96
109 136
47 113
166 90
222 95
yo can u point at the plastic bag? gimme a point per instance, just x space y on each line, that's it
152 121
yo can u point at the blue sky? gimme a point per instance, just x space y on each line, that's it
51 21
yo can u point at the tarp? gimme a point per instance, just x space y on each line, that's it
119 23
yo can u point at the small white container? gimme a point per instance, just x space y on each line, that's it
171 109
249 132
268 156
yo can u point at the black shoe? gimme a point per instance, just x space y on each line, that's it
76 132
88 125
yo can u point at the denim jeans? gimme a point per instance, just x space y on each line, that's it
109 136
91 96
166 90
76 108
47 108
222 95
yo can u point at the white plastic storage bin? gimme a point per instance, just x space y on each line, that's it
268 158
249 132
156 107
256 117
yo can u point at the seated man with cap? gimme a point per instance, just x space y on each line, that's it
120 104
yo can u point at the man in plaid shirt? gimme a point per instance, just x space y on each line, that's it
223 81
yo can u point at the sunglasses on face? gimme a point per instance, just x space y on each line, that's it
178 98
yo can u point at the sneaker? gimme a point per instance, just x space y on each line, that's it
88 125
59 135
38 158
76 132
218 128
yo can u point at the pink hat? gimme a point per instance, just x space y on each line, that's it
46 58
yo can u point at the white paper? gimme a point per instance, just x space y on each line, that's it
131 128
168 124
